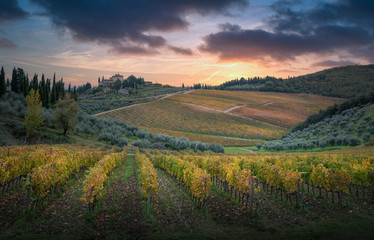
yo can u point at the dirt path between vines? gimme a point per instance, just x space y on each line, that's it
121 215
173 208
11 207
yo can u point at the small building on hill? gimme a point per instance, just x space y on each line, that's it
111 80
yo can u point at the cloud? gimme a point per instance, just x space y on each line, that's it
10 10
117 22
332 63
7 43
131 50
183 51
329 28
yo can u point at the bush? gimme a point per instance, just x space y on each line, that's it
217 148
47 114
354 141
13 104
141 143
366 137
158 145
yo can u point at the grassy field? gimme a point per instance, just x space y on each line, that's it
229 118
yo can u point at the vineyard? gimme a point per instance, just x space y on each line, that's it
171 115
240 118
280 109
71 190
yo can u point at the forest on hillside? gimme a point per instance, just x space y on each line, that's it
345 82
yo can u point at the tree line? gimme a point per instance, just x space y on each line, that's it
345 82
50 90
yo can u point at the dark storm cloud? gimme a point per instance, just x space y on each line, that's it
7 43
179 50
328 28
127 21
10 10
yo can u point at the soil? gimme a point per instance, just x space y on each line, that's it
122 211
173 208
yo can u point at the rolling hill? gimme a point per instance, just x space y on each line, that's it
223 116
348 124
346 82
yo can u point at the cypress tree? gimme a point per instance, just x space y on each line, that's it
62 89
26 83
35 82
14 86
21 79
75 95
47 92
42 90
53 93
2 82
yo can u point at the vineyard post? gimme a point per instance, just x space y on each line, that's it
149 196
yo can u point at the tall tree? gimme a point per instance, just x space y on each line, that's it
35 82
42 90
65 114
26 85
75 94
54 93
2 82
33 118
14 86
47 92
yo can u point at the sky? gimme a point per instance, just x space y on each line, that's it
185 41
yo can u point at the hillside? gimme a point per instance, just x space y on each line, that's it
350 127
224 115
345 82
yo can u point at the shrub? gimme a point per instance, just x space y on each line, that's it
141 143
354 141
366 136
158 145
217 148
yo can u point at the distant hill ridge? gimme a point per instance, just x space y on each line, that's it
346 82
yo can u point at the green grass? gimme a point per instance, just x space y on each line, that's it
238 150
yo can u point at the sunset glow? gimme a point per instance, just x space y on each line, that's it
193 42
